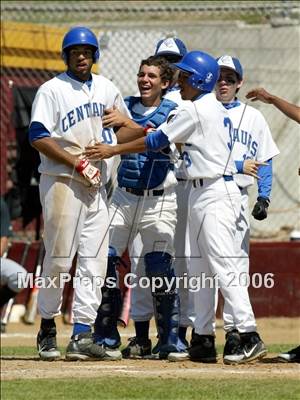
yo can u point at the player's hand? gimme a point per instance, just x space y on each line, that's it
260 209
99 151
88 171
259 94
113 117
250 167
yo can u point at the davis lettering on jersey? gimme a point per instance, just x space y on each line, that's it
245 138
80 113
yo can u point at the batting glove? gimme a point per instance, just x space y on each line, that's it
89 172
260 209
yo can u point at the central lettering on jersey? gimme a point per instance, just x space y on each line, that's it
243 137
87 110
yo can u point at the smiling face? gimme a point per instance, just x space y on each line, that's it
151 85
80 61
227 85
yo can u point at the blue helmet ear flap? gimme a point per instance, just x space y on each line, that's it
203 69
195 81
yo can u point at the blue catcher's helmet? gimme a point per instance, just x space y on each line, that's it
231 63
203 68
171 46
78 36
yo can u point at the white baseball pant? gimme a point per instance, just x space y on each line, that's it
75 220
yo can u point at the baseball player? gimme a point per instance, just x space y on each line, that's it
11 272
293 112
144 203
66 117
251 140
172 49
204 128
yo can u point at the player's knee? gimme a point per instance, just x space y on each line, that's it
159 265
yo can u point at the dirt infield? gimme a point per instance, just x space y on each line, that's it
278 330
35 369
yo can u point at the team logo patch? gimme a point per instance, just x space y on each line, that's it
208 77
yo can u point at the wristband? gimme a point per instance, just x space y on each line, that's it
147 129
82 164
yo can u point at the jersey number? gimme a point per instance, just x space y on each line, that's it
107 136
228 123
186 158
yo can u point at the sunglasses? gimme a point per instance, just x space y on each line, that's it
230 81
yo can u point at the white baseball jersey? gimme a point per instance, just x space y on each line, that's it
72 113
203 128
175 96
251 138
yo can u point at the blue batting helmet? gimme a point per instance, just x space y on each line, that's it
203 68
78 36
231 63
170 46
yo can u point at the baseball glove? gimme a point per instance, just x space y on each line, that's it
260 209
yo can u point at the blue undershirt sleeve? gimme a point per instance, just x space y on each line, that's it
265 172
37 131
239 166
156 141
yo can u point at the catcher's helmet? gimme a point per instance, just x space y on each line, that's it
171 46
80 35
231 63
203 68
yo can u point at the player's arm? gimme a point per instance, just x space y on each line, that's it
289 109
264 183
41 140
154 141
114 118
249 167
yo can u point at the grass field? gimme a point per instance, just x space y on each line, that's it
246 383
25 377
142 388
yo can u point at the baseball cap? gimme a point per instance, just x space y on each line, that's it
231 63
170 46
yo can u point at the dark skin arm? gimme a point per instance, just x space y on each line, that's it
289 109
51 149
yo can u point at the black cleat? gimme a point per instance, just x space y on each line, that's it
83 348
203 348
46 345
137 348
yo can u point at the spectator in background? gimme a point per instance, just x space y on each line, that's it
10 270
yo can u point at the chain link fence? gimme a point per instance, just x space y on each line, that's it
264 35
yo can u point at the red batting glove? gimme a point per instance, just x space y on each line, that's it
89 172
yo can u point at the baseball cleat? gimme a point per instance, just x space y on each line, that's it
46 345
203 349
180 356
232 344
137 349
83 348
290 356
251 348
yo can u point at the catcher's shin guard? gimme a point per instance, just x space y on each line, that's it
166 302
106 331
